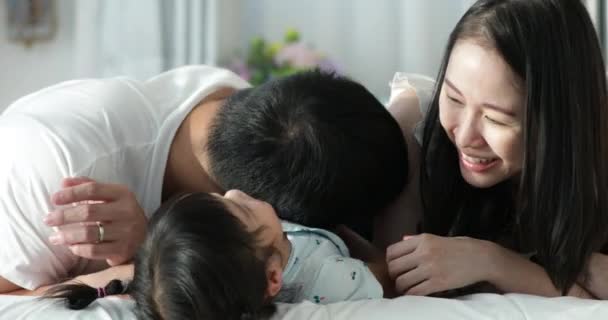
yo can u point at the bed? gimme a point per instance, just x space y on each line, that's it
477 306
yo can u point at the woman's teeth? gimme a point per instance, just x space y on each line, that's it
477 160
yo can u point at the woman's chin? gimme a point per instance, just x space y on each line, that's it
480 180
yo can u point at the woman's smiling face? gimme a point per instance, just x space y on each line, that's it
481 108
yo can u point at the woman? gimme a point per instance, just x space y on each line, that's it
512 166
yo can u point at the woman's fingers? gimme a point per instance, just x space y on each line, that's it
410 279
401 248
401 265
424 288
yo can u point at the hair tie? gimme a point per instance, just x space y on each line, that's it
101 292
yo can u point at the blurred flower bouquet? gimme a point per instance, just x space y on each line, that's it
265 61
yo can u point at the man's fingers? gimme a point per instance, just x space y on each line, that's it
82 233
87 191
98 251
86 212
117 260
74 181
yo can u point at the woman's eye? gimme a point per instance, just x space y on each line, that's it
495 122
454 100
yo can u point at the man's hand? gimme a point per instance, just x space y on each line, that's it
98 211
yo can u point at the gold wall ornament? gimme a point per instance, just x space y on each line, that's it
31 21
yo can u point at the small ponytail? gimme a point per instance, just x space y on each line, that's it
79 296
264 312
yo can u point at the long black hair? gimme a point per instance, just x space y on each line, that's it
561 197
197 262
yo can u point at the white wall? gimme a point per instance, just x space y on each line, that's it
24 70
370 39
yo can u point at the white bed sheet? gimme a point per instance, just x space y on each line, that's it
478 306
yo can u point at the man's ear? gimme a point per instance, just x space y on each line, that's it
274 275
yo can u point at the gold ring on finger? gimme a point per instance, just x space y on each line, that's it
102 231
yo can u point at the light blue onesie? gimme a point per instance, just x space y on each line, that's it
321 270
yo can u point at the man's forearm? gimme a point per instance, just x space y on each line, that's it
358 246
375 259
96 280
380 271
7 287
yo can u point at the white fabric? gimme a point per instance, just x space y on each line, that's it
424 87
320 268
478 306
115 130
26 308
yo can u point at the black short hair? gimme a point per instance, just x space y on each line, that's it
198 262
319 147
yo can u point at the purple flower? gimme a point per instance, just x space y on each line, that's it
241 68
298 55
326 64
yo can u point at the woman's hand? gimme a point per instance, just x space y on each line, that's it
96 206
597 282
426 264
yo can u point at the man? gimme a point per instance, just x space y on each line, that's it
121 147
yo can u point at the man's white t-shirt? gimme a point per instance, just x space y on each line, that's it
115 130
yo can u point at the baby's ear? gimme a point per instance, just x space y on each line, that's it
274 275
